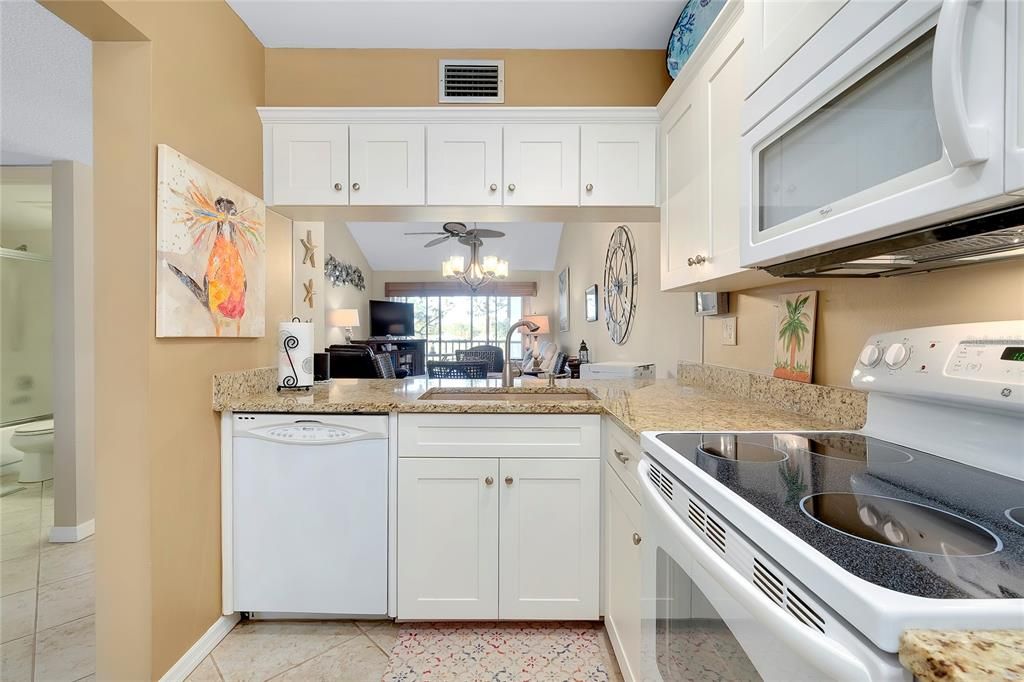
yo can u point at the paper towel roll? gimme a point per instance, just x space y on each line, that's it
295 355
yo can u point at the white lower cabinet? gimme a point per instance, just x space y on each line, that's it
485 536
448 539
623 519
549 547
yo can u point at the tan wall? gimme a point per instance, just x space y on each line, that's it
347 78
343 246
195 86
665 330
849 311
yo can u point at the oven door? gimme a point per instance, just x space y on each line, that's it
701 620
904 129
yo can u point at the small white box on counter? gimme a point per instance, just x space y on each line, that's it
617 370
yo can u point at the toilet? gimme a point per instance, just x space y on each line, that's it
35 440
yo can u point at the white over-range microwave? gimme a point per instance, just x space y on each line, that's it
892 141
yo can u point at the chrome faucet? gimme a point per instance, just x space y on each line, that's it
506 371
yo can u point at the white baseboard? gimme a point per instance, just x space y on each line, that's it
73 533
201 649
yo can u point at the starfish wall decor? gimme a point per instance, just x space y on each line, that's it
310 247
308 298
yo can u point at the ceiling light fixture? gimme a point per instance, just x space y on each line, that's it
479 272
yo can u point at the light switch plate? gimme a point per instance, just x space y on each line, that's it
729 331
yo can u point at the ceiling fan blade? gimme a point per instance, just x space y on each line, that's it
487 234
435 242
454 228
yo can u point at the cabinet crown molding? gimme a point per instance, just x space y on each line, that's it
446 114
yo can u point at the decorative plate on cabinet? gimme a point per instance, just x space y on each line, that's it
620 281
693 23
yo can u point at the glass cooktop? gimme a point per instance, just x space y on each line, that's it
902 519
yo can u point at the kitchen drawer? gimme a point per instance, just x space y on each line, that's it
499 435
622 453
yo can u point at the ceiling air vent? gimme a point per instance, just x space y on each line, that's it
472 81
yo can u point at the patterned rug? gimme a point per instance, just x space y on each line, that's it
498 652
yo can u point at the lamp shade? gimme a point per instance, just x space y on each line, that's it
344 317
541 321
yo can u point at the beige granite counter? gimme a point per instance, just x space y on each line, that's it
637 405
976 655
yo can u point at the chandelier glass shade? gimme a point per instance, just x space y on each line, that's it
479 272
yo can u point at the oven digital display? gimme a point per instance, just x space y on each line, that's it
1013 354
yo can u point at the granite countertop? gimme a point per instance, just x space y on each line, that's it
636 405
936 655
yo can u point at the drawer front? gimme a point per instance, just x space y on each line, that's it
623 454
499 435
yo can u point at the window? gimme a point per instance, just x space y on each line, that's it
454 323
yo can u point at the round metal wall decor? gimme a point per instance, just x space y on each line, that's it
620 280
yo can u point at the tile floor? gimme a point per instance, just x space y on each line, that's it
340 651
47 603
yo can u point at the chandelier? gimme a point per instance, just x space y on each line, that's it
478 272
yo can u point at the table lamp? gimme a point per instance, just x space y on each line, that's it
347 318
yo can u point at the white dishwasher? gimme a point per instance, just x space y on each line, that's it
310 514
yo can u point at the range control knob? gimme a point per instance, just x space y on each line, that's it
870 356
897 355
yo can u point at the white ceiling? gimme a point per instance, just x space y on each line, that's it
526 246
461 24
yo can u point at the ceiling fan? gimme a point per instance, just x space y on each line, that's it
466 236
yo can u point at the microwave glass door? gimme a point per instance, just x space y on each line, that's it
692 639
856 146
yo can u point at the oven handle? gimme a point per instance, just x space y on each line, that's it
966 143
825 654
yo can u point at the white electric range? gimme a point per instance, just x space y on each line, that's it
804 556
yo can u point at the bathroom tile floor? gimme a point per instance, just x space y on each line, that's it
47 593
306 651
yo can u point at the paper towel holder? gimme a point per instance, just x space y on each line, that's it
290 383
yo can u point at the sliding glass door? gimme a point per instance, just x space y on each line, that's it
454 323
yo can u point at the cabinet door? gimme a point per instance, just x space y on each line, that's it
310 164
464 164
1015 97
776 29
387 164
684 210
549 553
448 539
617 163
542 164
623 521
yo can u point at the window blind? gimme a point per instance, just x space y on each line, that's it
393 289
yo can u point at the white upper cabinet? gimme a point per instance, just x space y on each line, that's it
464 164
700 225
542 164
310 164
1015 97
775 30
550 539
387 164
617 164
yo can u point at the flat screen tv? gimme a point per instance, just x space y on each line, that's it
388 318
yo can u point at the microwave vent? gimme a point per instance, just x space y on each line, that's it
476 81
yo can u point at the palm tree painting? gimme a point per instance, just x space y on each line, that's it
211 260
794 342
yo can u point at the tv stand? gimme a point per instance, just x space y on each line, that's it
407 354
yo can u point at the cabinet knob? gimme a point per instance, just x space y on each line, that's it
637 539
355 186
697 260
508 480
689 262
489 480
512 187
338 186
621 456
494 187
590 187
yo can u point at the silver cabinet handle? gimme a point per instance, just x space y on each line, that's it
494 187
338 186
590 187
699 259
355 186
637 539
621 456
508 480
489 480
689 262
512 187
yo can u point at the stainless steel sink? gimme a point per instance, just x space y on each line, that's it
509 394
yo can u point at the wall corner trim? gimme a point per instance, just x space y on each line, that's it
201 649
73 533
